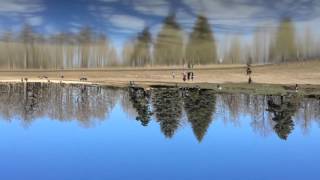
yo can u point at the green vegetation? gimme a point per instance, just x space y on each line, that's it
200 106
90 49
167 107
168 48
201 48
284 48
141 55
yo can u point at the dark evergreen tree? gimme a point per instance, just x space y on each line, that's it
167 106
140 102
201 48
141 53
284 48
199 106
282 115
168 47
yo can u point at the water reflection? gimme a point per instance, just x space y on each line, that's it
282 114
199 106
167 106
171 108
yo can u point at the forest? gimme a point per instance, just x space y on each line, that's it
90 49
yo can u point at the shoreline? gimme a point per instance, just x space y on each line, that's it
255 88
280 78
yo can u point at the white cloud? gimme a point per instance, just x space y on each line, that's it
127 22
20 7
35 20
158 8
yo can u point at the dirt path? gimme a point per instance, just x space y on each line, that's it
285 74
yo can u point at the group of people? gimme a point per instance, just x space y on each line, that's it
187 76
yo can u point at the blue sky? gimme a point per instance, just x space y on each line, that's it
123 19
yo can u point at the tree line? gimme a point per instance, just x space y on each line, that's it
90 49
171 108
31 50
269 45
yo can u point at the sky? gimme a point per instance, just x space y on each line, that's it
123 19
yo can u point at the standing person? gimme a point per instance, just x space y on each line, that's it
192 76
184 76
249 71
189 74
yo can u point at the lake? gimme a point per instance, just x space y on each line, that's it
60 131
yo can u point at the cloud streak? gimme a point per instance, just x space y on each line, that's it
20 7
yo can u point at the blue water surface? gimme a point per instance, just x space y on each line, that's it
120 148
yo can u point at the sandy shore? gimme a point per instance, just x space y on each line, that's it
307 73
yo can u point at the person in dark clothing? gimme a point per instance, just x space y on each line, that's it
184 76
189 75
192 76
250 80
249 71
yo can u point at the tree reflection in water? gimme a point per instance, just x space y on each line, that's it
140 100
199 106
167 106
282 114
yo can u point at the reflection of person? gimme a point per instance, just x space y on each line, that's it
250 80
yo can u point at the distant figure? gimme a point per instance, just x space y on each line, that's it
26 79
189 76
131 83
62 76
173 75
250 80
83 79
297 88
249 71
192 76
21 79
219 87
184 78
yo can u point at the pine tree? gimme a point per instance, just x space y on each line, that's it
282 115
201 48
167 106
169 43
141 54
140 102
284 47
199 106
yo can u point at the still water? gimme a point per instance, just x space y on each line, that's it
53 131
